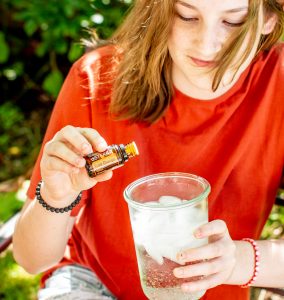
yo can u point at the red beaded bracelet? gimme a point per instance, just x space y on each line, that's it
256 262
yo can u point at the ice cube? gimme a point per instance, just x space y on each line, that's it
169 200
154 252
165 233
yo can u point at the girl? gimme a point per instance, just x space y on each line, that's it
198 85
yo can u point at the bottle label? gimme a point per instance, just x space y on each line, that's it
104 160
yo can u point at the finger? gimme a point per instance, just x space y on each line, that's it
216 227
70 134
209 251
76 137
104 176
96 140
204 283
63 152
56 164
86 182
206 268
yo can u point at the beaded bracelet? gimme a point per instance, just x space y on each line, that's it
54 209
256 262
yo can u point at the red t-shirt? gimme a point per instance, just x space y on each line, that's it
234 141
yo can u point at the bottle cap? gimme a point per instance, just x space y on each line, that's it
131 149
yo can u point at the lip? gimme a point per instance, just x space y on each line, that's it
202 63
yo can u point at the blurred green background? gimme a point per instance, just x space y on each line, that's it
39 40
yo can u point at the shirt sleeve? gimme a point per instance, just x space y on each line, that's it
72 107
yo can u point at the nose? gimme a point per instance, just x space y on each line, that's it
208 42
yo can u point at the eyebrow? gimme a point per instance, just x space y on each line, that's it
233 10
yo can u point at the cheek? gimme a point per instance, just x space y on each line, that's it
225 34
172 43
179 39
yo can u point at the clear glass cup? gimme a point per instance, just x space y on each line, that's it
164 210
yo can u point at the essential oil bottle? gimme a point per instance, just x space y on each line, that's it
113 157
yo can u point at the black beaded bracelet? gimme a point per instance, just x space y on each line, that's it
54 209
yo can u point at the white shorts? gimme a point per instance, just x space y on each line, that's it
74 282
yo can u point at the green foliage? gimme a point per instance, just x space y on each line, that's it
15 283
75 51
53 30
9 206
52 82
111 17
4 53
39 40
19 142
274 227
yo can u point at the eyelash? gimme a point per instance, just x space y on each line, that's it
187 19
233 24
229 24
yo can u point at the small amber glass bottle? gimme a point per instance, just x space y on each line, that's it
114 157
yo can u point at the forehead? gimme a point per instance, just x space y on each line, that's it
220 5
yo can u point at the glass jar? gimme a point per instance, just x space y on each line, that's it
164 210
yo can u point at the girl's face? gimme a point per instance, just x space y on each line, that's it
200 30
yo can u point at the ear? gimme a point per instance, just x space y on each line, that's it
269 24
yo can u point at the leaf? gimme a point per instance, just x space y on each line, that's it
52 82
68 10
4 49
9 205
41 49
18 67
75 52
61 47
30 27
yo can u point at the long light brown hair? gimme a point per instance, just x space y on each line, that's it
142 88
250 30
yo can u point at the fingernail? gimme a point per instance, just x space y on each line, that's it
102 145
181 257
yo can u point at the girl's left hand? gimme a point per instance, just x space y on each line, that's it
213 262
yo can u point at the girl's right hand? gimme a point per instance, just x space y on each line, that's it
63 166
